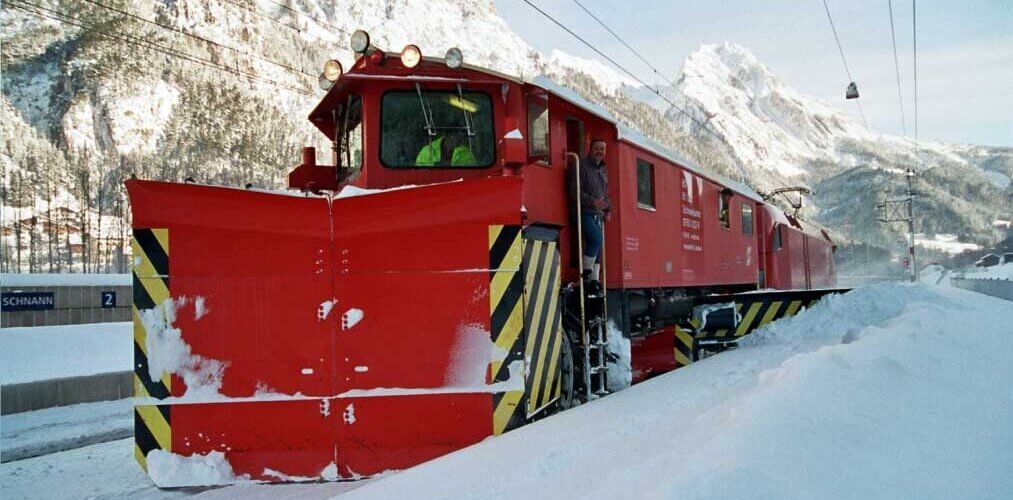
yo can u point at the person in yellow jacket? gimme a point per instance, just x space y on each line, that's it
432 154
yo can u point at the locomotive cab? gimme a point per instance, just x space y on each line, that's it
394 121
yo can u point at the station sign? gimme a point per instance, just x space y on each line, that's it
27 301
108 299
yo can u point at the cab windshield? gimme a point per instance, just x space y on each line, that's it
436 129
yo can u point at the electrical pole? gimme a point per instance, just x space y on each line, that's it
902 210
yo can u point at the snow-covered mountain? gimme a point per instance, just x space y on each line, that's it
778 136
85 106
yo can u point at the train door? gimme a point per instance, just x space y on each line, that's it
574 144
574 136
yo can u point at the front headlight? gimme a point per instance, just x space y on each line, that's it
454 58
332 70
359 41
411 56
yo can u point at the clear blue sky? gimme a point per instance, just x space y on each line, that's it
965 52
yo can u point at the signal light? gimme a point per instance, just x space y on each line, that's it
359 41
454 58
411 56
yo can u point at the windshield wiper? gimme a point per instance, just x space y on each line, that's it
427 114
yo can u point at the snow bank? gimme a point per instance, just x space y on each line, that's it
170 470
620 374
23 279
872 394
47 352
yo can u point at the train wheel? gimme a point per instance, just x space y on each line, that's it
567 375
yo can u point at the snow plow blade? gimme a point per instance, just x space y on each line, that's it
287 338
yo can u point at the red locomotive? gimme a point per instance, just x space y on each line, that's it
342 336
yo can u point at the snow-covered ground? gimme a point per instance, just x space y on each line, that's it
69 279
1000 272
945 243
888 391
45 352
40 432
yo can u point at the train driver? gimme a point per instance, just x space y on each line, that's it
594 205
444 147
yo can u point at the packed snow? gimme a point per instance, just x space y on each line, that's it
47 352
45 431
170 470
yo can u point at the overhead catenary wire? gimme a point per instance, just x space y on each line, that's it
199 38
639 80
635 53
840 48
252 10
914 30
896 66
55 15
308 16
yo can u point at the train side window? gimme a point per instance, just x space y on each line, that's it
775 242
724 197
747 218
645 184
538 128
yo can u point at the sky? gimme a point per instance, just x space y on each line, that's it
965 52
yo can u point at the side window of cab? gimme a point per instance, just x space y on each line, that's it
538 128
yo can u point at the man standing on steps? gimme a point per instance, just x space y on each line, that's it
594 205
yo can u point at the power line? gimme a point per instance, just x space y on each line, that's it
617 37
314 19
635 52
44 12
199 38
840 48
591 46
914 29
896 66
255 12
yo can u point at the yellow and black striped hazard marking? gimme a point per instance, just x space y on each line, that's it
543 322
151 431
763 310
684 343
150 291
506 318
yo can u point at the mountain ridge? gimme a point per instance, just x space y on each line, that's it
110 110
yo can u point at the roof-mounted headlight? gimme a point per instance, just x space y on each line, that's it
454 58
359 41
411 56
332 71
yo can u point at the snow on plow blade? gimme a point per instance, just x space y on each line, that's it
283 338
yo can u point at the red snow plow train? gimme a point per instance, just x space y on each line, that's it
314 335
